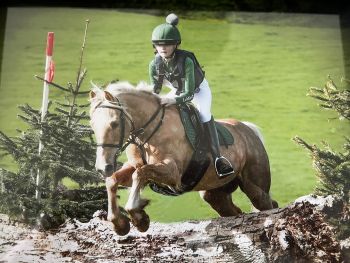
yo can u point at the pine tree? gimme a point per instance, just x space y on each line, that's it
332 167
68 151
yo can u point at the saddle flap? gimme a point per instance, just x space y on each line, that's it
194 128
190 119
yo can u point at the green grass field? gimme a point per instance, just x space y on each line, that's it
259 69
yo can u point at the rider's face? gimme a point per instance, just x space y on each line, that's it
165 51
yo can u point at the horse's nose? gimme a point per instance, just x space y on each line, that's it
109 169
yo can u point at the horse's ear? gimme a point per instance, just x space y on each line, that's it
109 96
92 94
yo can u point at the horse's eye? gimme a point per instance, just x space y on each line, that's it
114 124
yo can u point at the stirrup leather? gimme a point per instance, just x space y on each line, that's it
216 169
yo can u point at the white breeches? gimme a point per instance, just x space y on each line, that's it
202 99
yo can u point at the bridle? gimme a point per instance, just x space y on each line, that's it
134 133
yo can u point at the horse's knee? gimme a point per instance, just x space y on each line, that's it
124 175
111 184
140 174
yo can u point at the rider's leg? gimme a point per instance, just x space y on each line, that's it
222 165
202 101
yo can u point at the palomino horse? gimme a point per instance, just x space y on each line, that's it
157 150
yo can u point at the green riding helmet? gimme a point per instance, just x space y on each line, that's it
167 34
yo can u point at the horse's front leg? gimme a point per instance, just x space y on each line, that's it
165 172
120 222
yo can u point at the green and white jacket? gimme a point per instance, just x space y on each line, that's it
182 71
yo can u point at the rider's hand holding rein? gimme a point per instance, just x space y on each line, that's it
167 101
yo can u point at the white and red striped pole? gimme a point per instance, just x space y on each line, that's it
49 73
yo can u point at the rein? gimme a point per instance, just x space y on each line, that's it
133 135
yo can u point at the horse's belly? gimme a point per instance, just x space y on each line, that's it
211 180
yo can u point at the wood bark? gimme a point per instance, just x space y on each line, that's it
297 233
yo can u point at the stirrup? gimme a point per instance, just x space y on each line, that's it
222 175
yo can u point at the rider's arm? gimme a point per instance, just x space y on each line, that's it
189 83
153 77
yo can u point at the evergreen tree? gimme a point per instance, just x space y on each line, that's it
332 167
68 151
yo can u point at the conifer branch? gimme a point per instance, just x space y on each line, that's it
68 152
333 98
332 167
80 75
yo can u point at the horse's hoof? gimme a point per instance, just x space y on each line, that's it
143 224
140 220
121 225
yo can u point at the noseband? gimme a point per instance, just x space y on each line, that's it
133 135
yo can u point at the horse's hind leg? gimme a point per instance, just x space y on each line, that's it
256 186
260 199
220 199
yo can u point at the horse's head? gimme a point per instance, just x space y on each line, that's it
109 123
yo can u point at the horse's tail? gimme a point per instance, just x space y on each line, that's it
258 133
255 129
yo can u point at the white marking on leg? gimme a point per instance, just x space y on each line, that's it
134 196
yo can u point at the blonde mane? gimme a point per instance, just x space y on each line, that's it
123 87
142 90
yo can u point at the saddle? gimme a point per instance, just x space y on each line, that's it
194 127
200 161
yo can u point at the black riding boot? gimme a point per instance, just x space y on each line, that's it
222 166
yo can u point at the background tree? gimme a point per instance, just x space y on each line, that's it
332 167
68 152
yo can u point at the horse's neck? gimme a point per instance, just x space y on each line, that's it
140 108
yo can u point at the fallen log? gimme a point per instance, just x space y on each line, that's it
297 233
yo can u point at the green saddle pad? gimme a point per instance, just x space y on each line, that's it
192 125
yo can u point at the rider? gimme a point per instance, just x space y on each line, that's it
180 71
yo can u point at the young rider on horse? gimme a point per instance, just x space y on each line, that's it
181 72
